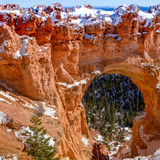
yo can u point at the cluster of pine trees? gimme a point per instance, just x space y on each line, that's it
111 102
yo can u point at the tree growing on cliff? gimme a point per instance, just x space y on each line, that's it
38 141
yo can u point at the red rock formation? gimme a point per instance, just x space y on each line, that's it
58 58
97 153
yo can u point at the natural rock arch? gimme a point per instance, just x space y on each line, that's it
147 84
62 60
150 93
136 63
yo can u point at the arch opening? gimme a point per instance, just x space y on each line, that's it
111 102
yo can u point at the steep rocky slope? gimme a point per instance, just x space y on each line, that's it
48 54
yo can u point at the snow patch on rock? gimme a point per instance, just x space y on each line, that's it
49 111
4 118
7 95
82 15
87 36
85 142
8 157
2 47
77 83
96 72
158 86
111 35
22 51
3 100
148 17
23 130
23 47
16 12
99 138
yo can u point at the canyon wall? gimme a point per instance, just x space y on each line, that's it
51 54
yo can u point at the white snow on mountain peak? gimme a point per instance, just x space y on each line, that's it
82 14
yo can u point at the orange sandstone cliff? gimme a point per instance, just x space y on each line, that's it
48 57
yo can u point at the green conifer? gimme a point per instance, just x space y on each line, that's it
39 147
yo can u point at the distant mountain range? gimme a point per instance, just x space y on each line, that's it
107 8
145 9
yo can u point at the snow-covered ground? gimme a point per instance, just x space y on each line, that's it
115 145
114 148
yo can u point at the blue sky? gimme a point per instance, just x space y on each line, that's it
28 3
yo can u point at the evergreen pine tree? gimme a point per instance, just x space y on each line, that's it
120 121
38 143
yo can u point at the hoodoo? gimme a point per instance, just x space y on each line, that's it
48 58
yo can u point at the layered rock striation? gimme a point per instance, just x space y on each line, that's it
51 54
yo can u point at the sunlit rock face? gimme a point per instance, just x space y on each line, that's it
52 54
